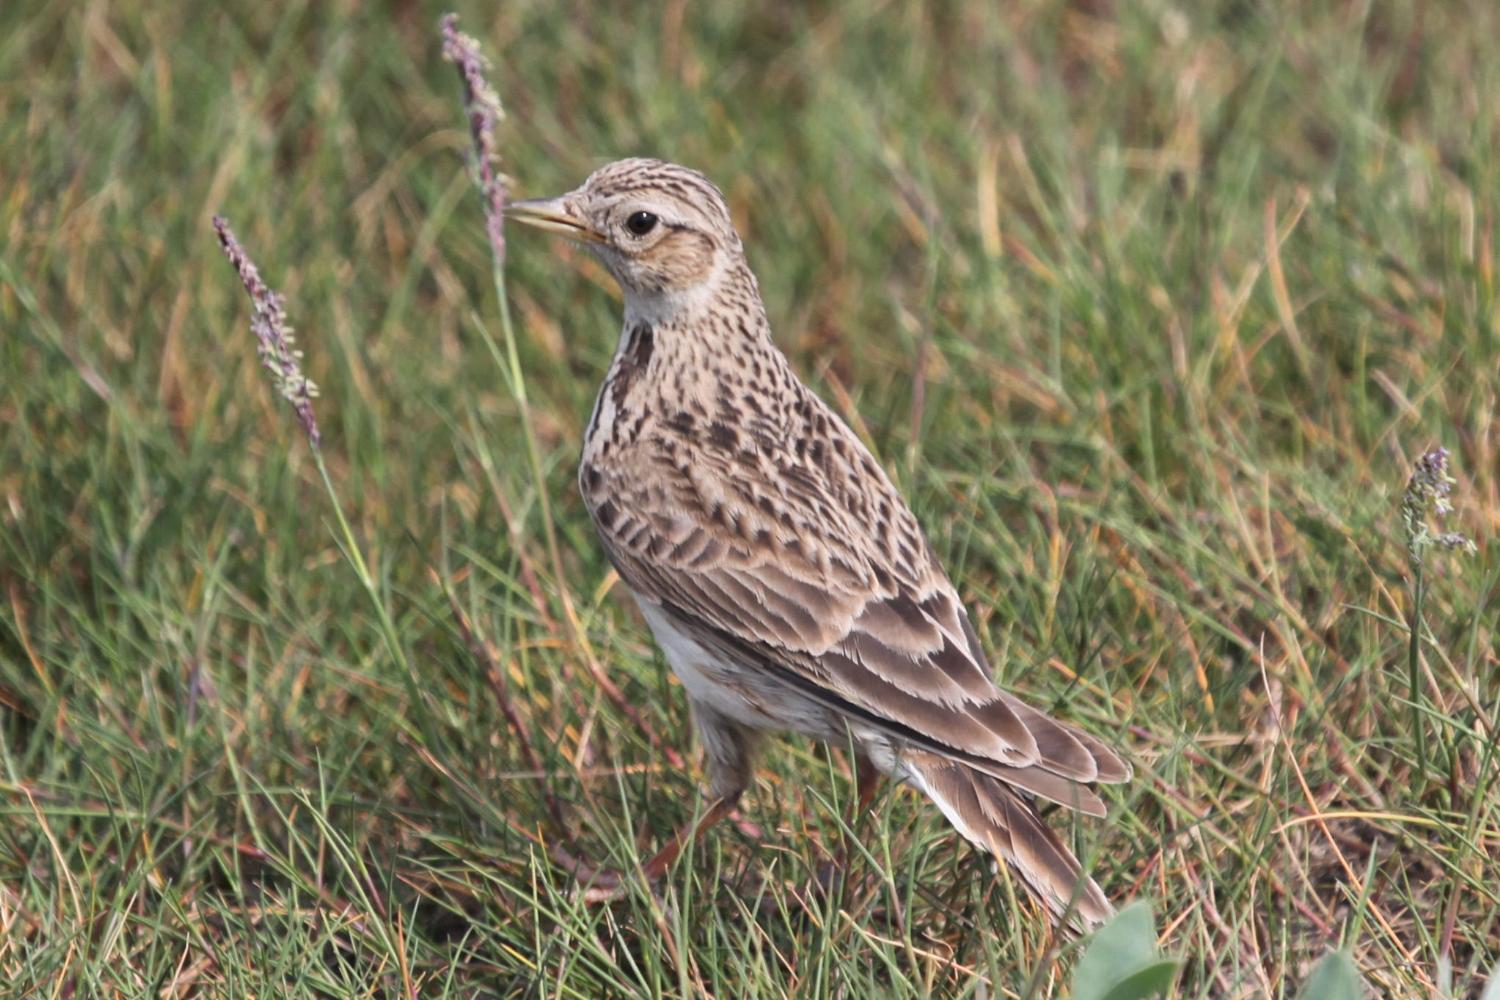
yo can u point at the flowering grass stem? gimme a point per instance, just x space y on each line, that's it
278 355
484 113
1424 506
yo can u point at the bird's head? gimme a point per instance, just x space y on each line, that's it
662 230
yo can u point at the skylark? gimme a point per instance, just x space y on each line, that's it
780 570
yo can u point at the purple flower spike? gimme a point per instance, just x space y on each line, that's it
482 105
1426 503
274 342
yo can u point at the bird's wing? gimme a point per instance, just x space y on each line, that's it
808 563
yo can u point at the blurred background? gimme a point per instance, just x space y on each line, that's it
1148 307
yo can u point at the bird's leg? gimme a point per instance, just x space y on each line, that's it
608 885
728 752
866 783
662 859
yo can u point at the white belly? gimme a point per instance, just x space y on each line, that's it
746 695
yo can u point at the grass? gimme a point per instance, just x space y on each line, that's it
1149 310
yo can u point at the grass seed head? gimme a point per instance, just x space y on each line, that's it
482 105
274 342
1425 504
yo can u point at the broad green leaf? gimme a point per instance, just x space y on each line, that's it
1149 981
1334 978
1120 951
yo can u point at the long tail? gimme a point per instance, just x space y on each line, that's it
994 817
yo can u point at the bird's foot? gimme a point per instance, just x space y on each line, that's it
605 885
597 884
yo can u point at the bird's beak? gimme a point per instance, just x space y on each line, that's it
555 215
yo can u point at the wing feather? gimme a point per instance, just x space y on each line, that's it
820 572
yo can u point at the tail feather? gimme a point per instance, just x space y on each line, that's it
1068 751
994 816
1053 788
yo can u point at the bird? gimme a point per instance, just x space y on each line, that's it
785 579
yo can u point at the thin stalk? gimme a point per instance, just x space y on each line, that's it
1414 667
361 568
482 107
511 366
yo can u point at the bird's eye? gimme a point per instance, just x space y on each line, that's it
641 223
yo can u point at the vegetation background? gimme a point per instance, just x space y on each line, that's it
1148 307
